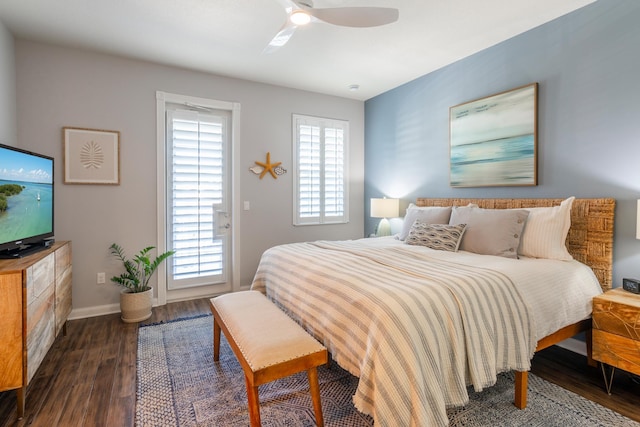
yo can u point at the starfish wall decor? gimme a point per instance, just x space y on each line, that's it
273 168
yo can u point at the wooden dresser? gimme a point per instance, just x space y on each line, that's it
616 331
35 301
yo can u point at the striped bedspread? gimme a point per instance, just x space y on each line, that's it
415 329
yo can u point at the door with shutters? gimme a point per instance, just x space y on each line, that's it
198 197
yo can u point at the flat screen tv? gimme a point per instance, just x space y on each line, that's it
26 202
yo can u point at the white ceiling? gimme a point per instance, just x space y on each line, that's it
226 37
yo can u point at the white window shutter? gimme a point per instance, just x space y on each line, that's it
320 190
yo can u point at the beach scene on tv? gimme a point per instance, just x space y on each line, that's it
26 195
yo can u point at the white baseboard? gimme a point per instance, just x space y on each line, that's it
574 345
101 310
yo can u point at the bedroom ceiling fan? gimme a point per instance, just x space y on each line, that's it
302 12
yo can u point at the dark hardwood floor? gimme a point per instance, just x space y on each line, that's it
89 376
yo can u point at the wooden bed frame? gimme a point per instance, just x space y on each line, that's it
590 241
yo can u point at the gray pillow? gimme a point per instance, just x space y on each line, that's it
490 231
428 214
442 237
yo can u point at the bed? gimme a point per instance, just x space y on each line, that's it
418 325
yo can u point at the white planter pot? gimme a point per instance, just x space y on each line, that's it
135 307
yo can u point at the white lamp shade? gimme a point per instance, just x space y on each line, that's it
385 208
638 221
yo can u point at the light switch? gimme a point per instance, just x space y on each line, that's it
247 205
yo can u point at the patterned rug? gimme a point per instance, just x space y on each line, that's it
180 385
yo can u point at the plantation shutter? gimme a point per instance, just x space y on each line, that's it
334 181
309 163
321 179
197 195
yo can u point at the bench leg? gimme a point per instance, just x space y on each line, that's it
254 403
522 379
216 340
314 388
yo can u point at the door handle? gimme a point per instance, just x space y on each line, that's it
220 227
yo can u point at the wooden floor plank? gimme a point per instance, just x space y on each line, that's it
103 352
75 410
123 398
67 376
98 404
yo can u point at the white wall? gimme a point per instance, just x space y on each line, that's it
59 87
8 124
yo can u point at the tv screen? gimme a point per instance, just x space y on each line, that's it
26 200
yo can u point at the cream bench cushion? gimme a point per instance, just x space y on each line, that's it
268 344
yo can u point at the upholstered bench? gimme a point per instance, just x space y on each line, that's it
268 344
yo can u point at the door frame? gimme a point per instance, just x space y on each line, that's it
163 294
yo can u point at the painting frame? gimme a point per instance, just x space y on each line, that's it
493 141
91 156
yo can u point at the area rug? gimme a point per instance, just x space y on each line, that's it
180 385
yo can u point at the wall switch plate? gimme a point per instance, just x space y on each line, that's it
101 278
247 206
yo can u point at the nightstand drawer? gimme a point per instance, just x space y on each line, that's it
616 350
617 312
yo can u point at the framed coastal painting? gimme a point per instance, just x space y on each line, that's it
493 141
91 156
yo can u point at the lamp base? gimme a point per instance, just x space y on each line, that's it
384 228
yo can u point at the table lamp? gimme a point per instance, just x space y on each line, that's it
384 208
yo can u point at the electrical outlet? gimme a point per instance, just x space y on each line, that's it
101 278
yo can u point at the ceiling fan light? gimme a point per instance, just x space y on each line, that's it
300 17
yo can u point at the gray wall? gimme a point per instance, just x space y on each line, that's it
8 123
586 64
59 87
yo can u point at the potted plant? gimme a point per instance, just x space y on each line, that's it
136 298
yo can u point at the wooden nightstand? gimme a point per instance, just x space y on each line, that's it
616 332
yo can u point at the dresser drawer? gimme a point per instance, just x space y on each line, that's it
40 311
11 331
63 285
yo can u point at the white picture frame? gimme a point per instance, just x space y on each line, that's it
91 156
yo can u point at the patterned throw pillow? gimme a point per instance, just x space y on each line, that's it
442 237
430 214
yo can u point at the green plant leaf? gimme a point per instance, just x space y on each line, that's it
139 269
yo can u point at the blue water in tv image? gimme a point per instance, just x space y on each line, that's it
26 195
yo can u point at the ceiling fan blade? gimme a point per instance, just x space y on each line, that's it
287 5
356 16
281 38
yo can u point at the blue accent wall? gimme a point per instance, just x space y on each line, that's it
587 65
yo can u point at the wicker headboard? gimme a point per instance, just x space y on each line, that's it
590 238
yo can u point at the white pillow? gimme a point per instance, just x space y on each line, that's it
545 232
428 214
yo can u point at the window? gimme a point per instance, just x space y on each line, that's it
320 190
